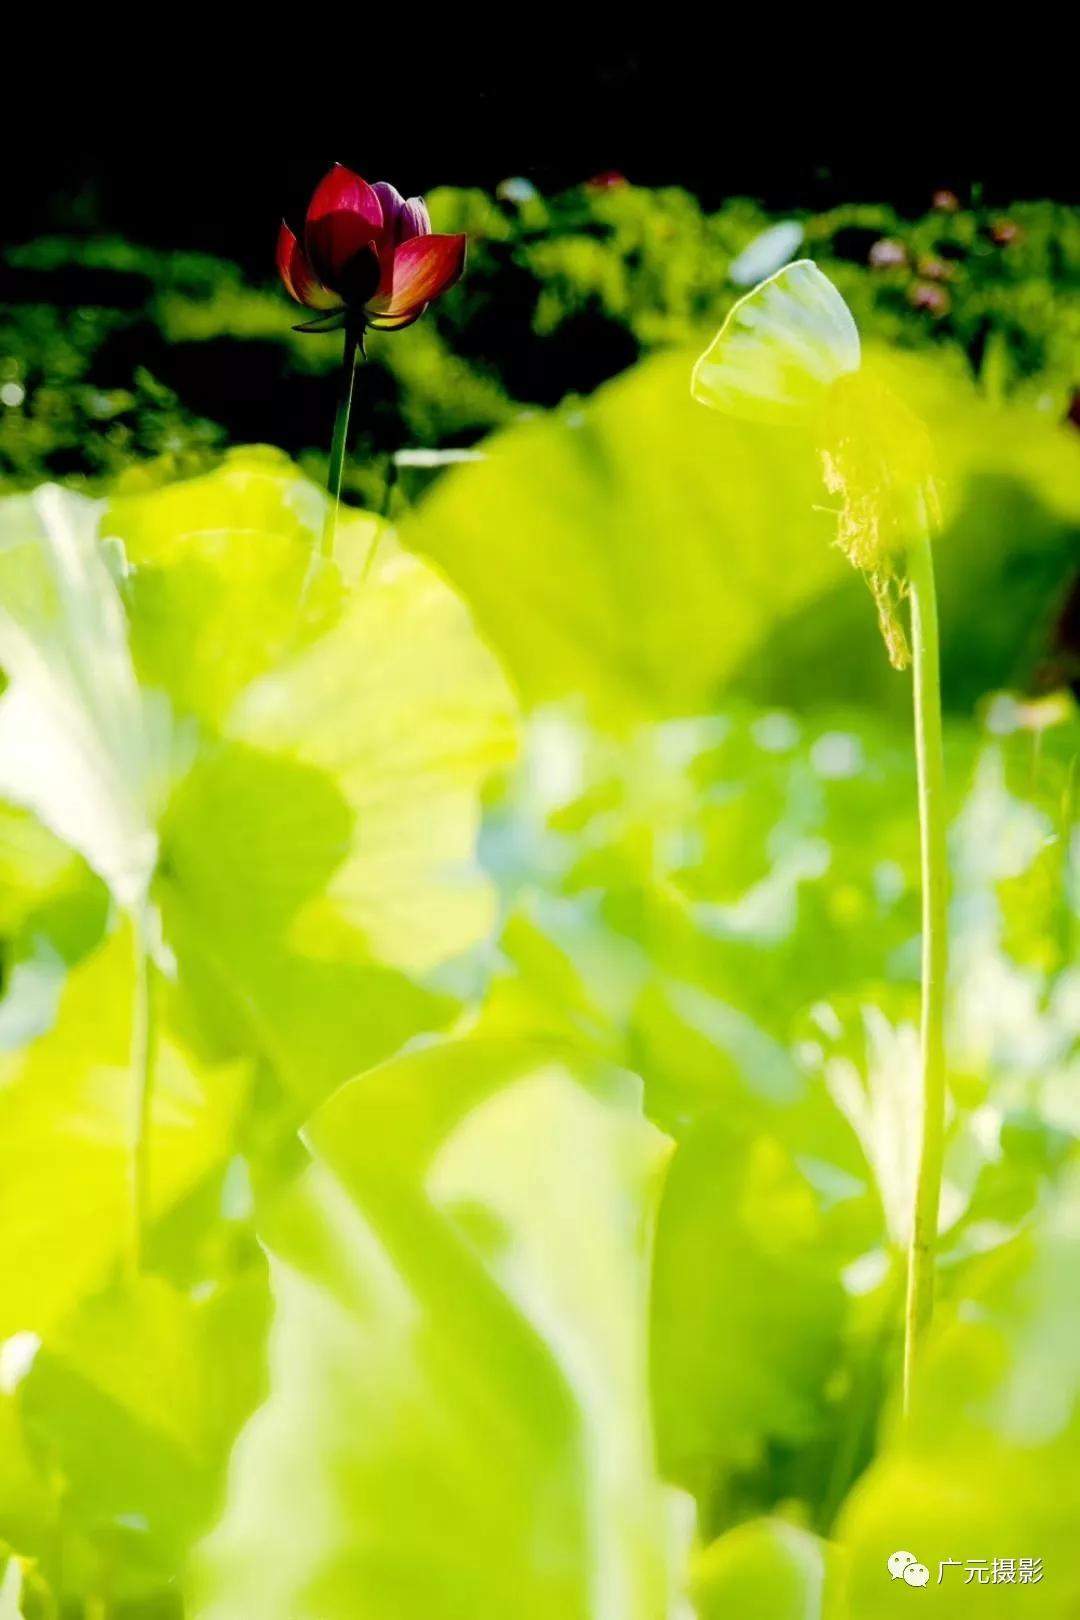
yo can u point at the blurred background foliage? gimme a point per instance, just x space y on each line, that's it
536 953
115 354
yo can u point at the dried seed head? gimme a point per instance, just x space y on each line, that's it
876 456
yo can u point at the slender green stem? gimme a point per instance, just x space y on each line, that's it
143 1042
354 349
932 825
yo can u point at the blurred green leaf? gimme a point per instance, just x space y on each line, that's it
986 1469
317 856
158 1383
768 1570
458 1412
80 744
635 551
52 911
782 345
747 1307
219 563
1005 559
66 1110
406 711
642 554
318 861
250 843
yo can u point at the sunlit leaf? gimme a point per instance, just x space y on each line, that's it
218 567
80 744
52 911
157 1383
11 1585
634 552
66 1112
404 709
316 853
780 348
250 843
457 1421
640 555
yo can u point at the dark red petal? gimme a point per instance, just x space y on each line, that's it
343 217
359 279
422 269
294 268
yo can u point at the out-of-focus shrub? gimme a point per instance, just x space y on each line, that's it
114 354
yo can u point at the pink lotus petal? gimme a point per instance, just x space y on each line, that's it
416 221
343 217
422 269
295 270
401 219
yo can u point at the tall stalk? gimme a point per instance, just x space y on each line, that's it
353 350
932 831
143 1045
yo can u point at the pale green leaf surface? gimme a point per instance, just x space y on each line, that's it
11 1591
249 844
80 744
405 710
66 1106
218 568
780 348
458 1413
640 554
323 852
636 551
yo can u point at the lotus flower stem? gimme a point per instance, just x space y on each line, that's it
354 350
931 774
143 1046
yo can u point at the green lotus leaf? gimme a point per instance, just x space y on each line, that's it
80 743
985 1472
158 1382
769 1570
66 1109
457 1421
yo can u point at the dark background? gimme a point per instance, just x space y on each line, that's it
803 138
